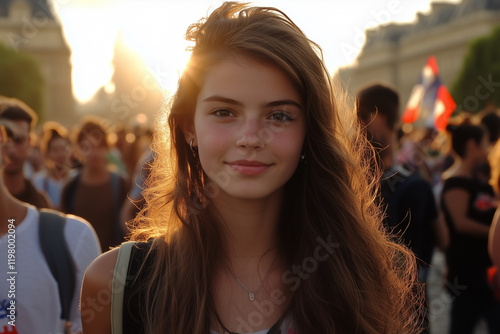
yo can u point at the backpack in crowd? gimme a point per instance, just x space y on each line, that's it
58 257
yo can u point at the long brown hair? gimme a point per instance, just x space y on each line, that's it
364 285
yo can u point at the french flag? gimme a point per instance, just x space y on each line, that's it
430 99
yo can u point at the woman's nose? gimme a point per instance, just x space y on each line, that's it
251 135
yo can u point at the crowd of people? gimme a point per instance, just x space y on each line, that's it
265 204
86 178
437 191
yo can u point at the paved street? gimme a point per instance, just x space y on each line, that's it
439 301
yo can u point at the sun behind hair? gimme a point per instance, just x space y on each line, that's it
367 285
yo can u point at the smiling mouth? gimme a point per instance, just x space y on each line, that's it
248 167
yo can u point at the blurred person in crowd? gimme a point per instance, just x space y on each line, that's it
255 176
494 162
96 193
468 204
135 201
30 293
35 162
406 198
416 154
137 141
490 121
16 151
494 234
118 146
494 251
56 147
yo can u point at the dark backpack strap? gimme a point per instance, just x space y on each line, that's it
57 255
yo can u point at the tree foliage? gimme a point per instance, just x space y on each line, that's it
21 77
478 82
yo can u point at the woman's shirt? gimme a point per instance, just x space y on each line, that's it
134 301
467 255
286 327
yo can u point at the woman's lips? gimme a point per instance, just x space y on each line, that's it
246 167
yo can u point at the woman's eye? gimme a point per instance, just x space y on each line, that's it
223 113
281 117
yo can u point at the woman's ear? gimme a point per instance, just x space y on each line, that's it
187 128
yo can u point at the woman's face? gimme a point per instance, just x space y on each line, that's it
59 151
477 152
93 151
483 149
249 127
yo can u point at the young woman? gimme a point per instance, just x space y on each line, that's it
468 206
494 233
259 215
56 148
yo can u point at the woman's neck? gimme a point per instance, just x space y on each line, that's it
249 226
461 168
253 267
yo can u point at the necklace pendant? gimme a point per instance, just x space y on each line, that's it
251 295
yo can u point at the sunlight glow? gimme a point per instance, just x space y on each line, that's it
91 42
156 29
141 118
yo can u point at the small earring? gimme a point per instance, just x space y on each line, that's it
193 149
303 158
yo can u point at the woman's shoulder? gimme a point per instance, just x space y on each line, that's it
100 272
98 283
96 294
102 268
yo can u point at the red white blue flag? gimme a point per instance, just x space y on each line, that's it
429 99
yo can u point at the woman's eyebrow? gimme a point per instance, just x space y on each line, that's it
283 102
218 98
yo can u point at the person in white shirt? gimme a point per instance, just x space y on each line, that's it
29 293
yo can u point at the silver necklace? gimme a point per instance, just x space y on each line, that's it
251 294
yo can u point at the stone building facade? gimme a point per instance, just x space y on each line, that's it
395 54
30 27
